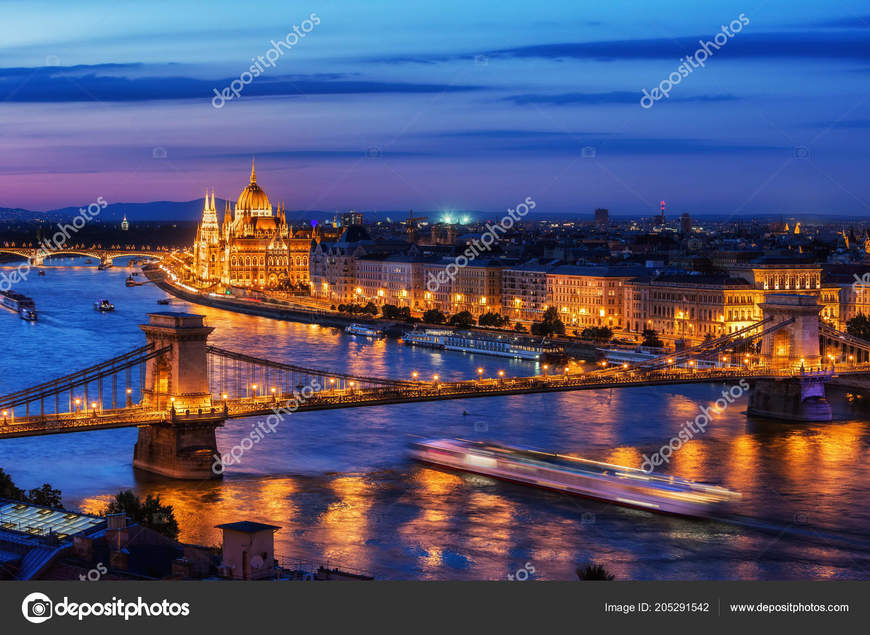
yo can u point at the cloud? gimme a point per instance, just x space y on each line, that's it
786 45
91 83
615 97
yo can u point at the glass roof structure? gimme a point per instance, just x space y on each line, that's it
41 521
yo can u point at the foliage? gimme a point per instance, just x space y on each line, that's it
859 326
434 316
651 338
392 312
598 333
149 513
8 489
463 318
519 328
370 308
551 324
493 319
592 571
46 496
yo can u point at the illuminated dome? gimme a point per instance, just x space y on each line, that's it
253 198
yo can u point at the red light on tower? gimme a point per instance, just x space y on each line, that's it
663 208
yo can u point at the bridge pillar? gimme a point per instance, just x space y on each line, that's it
184 446
793 399
796 344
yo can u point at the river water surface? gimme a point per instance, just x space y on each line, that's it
340 486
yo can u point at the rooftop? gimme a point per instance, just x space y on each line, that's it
36 520
248 527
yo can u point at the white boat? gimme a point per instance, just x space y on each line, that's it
630 356
104 306
362 329
19 303
469 342
625 486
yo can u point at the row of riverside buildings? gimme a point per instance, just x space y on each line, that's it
255 248
625 298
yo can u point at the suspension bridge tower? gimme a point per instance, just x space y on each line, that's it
792 343
184 445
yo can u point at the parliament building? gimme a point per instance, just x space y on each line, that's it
253 247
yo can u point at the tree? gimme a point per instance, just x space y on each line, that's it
8 489
463 318
370 308
493 319
592 571
651 338
46 496
434 316
519 328
150 513
601 334
859 326
550 325
392 312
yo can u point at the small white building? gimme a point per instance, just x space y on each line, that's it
249 549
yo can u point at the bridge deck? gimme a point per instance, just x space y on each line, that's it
424 391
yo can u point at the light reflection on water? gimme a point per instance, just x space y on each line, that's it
340 486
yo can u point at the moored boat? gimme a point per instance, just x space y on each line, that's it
512 346
362 329
130 282
626 486
104 306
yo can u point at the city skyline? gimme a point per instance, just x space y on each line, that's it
492 107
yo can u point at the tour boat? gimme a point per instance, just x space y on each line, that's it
163 301
19 303
469 342
104 265
130 282
617 484
104 306
362 329
41 272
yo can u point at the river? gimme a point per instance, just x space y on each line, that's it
340 486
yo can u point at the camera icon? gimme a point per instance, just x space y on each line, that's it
481 60
588 152
37 608
52 60
801 152
481 426
373 153
158 153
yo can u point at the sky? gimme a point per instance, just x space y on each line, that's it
440 106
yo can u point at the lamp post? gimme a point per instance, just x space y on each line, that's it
546 367
480 374
129 397
77 403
